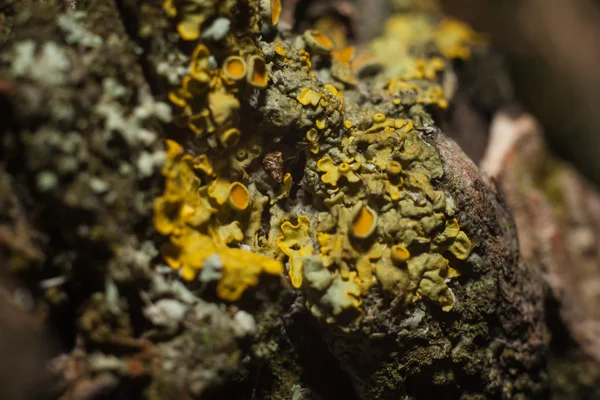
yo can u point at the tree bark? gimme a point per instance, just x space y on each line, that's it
85 95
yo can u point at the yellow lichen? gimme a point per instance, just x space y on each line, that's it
257 72
169 8
317 41
280 50
200 67
461 246
229 137
371 174
189 27
334 172
234 68
343 294
219 189
239 198
293 243
365 63
230 233
364 221
399 253
187 214
410 67
393 168
208 104
308 96
240 269
275 11
379 117
341 67
455 38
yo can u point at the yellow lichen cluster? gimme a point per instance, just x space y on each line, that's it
208 97
322 102
209 211
193 15
385 224
415 49
202 218
375 218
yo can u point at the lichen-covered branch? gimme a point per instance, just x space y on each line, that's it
204 202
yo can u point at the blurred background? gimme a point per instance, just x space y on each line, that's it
552 53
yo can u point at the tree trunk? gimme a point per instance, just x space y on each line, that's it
198 202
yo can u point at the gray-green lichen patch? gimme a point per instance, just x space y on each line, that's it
76 33
47 65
